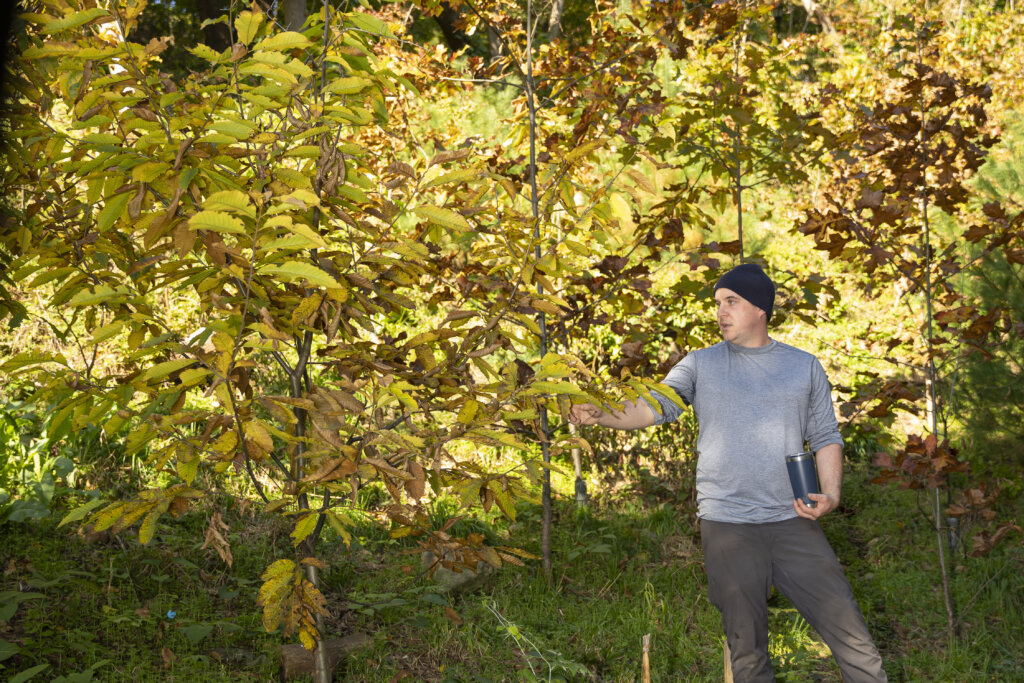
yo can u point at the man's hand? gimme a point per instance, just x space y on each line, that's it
585 414
830 474
825 504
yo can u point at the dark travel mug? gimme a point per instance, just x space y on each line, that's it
803 476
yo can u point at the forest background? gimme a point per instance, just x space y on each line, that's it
296 297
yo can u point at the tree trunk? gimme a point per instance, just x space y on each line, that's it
453 37
216 35
322 672
531 103
931 376
736 144
493 44
555 21
294 14
816 11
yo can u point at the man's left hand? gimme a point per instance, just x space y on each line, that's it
824 505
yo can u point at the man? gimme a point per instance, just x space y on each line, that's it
757 401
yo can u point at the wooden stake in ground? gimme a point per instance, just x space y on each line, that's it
646 666
727 659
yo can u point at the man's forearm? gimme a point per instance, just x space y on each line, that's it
830 470
634 415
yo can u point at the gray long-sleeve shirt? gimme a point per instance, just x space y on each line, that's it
754 406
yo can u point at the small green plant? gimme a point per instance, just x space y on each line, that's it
543 664
31 476
793 649
592 542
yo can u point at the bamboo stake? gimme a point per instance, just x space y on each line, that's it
646 666
577 465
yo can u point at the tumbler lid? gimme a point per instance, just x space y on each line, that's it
797 457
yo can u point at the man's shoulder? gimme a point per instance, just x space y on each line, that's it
719 347
723 347
721 350
795 356
782 347
708 352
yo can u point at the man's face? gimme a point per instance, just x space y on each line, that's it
741 322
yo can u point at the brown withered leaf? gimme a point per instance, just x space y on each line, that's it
332 469
983 325
976 233
385 467
511 559
416 486
883 460
178 506
179 157
401 168
135 204
329 435
359 280
145 113
345 400
92 111
453 155
157 229
215 537
732 247
994 210
984 541
215 248
314 562
452 615
157 46
490 555
883 409
83 87
523 372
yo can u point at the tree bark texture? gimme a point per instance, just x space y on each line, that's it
555 21
294 14
217 36
453 36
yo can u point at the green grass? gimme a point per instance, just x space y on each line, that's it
150 612
628 565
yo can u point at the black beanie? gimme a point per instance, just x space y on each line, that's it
751 283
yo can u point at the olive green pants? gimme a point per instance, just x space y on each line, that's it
744 561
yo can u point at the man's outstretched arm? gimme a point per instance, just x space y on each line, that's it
634 415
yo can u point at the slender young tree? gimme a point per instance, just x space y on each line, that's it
915 152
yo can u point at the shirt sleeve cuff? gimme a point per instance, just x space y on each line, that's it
818 444
670 412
